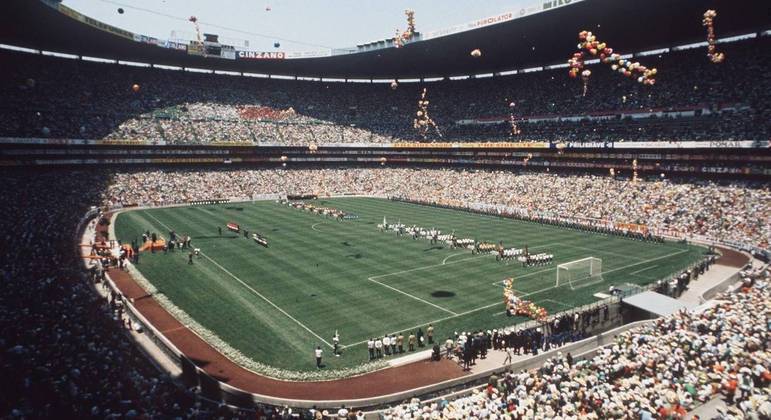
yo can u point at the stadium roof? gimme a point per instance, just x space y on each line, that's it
546 37
655 303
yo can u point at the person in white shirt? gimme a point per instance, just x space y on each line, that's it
379 347
371 348
342 413
318 353
387 345
336 343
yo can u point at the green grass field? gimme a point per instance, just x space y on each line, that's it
319 275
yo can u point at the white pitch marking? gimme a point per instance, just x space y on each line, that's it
316 224
525 295
444 261
640 271
250 288
411 296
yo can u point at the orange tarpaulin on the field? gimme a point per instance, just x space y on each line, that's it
157 245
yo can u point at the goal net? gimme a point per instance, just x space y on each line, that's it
580 273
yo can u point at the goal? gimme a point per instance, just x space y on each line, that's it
580 273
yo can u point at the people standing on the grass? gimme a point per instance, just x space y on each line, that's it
421 340
378 348
387 345
430 334
318 352
219 230
411 342
336 344
371 348
400 342
393 344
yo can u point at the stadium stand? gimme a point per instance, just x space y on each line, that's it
715 210
67 352
693 100
661 370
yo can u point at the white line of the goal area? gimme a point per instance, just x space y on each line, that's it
251 289
470 311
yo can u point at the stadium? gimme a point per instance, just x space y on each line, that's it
561 210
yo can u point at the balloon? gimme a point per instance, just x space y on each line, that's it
476 53
120 11
276 44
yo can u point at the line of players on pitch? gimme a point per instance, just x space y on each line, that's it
435 236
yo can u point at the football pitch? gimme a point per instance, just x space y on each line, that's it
320 275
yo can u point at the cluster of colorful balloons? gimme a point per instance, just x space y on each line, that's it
708 21
521 307
401 37
590 46
513 122
422 122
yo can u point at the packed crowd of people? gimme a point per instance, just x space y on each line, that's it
65 352
60 98
728 211
662 370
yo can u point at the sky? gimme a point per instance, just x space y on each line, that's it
297 25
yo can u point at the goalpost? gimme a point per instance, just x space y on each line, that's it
580 273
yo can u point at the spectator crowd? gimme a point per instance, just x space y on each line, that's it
661 370
692 100
66 353
736 211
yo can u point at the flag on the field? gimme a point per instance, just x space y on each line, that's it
233 227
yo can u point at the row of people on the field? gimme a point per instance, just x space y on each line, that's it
393 344
485 248
325 211
507 254
530 260
432 234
